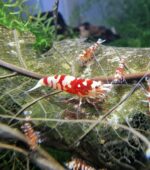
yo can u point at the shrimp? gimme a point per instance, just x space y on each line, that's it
30 134
81 87
88 54
77 164
119 74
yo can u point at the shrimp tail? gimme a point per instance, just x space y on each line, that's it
39 84
100 41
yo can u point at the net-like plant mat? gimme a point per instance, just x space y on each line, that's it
108 144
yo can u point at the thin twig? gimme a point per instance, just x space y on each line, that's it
14 148
55 15
8 75
47 160
28 163
20 70
62 56
5 129
50 120
40 154
33 102
42 158
108 113
139 135
36 100
18 49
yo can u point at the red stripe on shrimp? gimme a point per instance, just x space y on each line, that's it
45 81
59 83
77 87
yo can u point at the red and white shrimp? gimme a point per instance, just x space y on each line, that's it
119 74
77 164
88 54
31 135
79 86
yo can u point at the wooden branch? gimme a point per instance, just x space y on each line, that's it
41 157
129 77
20 70
14 148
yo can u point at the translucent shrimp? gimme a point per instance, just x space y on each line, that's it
88 54
31 135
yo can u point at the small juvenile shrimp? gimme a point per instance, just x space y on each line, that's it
31 135
78 164
88 54
120 70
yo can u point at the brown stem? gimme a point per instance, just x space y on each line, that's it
20 70
14 148
129 77
39 156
